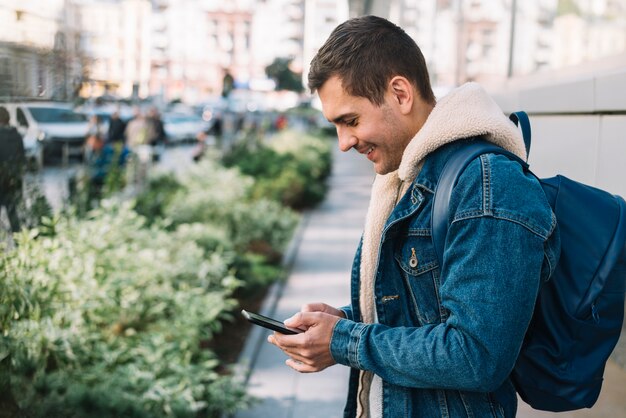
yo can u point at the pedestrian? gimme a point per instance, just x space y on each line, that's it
94 138
157 130
424 339
138 135
137 130
12 165
157 138
117 126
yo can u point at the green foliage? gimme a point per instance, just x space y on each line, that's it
285 79
160 190
111 312
291 169
121 311
216 196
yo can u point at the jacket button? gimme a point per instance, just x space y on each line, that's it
413 260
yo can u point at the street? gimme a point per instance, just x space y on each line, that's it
53 180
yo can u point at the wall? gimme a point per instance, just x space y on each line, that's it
578 118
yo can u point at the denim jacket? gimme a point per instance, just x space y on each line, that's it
448 335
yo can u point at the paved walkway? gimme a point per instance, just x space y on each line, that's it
320 271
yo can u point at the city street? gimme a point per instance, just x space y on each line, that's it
53 180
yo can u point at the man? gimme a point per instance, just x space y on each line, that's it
12 164
117 126
424 339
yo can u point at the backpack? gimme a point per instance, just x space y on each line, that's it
579 311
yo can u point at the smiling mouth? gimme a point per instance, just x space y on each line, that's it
367 151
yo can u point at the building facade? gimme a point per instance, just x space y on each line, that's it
40 51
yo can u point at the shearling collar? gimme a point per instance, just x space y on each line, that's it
466 112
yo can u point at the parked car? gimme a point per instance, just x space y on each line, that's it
49 129
181 127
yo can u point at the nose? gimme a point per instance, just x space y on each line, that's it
346 140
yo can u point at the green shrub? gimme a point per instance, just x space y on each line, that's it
108 318
161 189
110 312
292 168
217 196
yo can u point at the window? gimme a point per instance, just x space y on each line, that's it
56 115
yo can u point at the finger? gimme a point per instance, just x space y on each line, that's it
284 342
300 367
303 320
313 307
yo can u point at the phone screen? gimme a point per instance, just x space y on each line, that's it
269 323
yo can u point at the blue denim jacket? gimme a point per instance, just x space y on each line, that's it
448 336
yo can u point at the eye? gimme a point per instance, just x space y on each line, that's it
352 122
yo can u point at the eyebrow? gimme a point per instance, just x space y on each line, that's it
342 118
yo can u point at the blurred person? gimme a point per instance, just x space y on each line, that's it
424 339
281 122
157 137
208 137
12 165
157 130
138 134
117 128
98 162
95 135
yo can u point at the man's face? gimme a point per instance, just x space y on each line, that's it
377 132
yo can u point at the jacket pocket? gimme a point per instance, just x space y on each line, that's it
419 268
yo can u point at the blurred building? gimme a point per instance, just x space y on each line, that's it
278 32
117 36
320 18
492 40
40 52
184 49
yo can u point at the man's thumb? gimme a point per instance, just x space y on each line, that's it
301 320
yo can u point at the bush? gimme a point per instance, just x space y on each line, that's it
292 168
108 318
111 312
219 197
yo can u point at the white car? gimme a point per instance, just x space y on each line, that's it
49 129
181 127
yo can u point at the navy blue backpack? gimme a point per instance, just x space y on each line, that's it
579 312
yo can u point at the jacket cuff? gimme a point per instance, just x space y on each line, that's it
344 343
347 311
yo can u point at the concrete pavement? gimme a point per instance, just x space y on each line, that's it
320 272
321 260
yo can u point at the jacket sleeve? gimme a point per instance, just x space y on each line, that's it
347 311
491 274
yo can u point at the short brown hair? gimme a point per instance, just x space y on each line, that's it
365 53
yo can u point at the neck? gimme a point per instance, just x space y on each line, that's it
418 116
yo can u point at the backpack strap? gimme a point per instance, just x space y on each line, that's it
521 119
457 162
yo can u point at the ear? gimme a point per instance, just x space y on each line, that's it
402 92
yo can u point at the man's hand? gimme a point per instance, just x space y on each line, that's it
309 351
322 307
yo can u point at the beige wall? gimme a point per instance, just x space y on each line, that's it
578 121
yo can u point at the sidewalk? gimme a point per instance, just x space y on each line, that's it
322 261
320 272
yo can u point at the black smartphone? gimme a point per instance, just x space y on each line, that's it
269 323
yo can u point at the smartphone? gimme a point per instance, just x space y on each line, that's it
269 323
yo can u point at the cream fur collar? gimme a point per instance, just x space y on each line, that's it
465 112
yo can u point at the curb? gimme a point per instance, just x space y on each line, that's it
256 337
